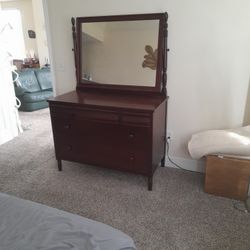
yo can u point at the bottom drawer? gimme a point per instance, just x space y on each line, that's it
112 154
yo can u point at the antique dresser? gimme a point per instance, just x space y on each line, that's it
114 118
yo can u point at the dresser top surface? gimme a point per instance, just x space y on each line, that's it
109 100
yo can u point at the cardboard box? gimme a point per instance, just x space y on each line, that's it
228 177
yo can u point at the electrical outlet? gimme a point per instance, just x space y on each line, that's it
169 136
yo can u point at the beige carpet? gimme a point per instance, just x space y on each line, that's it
177 214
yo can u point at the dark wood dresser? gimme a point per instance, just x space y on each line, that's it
123 132
122 127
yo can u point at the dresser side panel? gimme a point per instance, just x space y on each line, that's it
159 134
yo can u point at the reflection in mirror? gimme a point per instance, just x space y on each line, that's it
120 52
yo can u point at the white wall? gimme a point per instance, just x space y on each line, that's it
247 109
41 38
25 7
209 59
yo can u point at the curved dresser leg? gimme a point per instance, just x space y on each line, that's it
59 164
150 183
163 162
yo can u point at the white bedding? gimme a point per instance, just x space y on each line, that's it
234 142
25 225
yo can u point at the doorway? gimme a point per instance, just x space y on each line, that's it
25 50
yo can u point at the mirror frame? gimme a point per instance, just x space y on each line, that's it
161 76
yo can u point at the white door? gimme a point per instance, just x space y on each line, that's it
8 115
11 44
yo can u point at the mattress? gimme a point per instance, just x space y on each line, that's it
233 142
25 225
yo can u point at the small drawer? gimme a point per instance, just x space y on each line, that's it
84 114
61 113
134 119
100 116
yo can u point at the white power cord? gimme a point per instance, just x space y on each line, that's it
175 164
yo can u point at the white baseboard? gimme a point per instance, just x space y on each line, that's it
189 164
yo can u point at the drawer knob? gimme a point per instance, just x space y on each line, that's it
131 136
132 158
69 148
66 126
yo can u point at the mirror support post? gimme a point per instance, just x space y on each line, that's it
164 79
74 44
165 50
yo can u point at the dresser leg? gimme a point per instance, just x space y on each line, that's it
163 162
59 164
150 183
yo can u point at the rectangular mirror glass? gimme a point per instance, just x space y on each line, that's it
119 52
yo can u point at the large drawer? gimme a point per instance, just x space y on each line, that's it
114 146
80 150
124 136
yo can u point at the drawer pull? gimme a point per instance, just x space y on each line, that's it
131 136
69 148
66 126
132 158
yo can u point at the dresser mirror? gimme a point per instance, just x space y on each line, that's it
120 52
